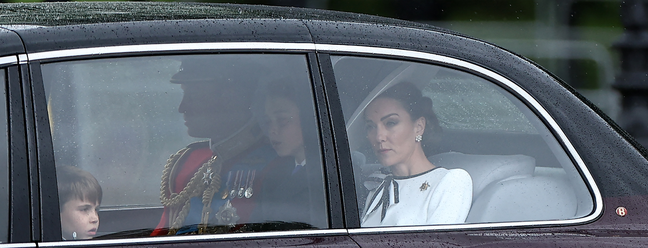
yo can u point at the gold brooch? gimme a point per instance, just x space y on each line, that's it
424 186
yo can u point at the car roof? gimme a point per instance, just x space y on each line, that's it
70 25
77 13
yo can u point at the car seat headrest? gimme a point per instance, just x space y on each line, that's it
486 169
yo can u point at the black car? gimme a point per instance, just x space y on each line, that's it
188 124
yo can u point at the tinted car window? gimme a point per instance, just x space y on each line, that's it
493 159
189 144
4 168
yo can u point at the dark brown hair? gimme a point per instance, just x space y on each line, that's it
417 106
77 183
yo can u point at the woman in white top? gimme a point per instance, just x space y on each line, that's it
400 125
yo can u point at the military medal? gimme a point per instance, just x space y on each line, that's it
241 191
424 186
237 181
227 186
226 215
249 191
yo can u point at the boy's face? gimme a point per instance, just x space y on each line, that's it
80 216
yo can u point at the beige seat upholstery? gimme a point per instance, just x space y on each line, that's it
507 188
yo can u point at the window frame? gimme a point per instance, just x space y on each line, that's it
500 81
20 215
329 159
333 135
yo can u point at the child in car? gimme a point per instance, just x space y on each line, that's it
79 199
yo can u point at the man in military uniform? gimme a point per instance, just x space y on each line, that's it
211 184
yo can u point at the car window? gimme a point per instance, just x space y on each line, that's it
178 145
4 167
435 145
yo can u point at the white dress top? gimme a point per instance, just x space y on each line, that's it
438 196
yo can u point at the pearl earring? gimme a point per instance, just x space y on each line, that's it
418 138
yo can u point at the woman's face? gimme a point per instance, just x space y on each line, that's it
80 217
284 127
391 131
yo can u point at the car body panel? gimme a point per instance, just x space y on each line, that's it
326 238
38 39
19 197
501 239
11 44
616 163
572 112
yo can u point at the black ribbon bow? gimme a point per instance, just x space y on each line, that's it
384 199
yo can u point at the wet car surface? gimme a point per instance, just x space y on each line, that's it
111 88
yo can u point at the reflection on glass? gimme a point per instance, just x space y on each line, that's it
291 179
79 199
117 119
120 119
506 149
401 126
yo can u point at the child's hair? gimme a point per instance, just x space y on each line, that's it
77 183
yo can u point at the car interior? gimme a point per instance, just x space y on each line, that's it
119 119
519 170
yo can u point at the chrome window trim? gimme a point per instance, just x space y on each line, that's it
9 60
196 238
23 59
169 47
598 199
18 245
359 50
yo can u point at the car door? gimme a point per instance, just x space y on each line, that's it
119 120
524 171
15 197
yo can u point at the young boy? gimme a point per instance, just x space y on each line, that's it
79 199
